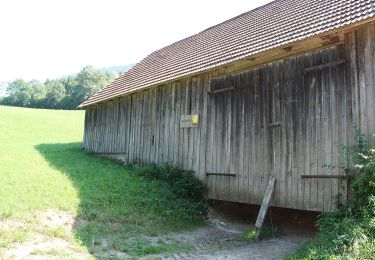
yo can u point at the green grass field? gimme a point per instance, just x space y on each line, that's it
43 168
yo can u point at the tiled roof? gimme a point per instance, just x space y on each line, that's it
275 24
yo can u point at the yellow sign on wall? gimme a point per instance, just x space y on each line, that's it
188 121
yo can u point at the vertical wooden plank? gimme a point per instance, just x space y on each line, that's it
234 130
172 124
154 113
185 131
351 44
244 153
151 125
209 134
287 124
255 132
158 103
369 78
143 126
248 103
361 79
137 126
192 131
198 110
325 185
182 130
293 84
309 87
204 121
371 83
221 147
177 124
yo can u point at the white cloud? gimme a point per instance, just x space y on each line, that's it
50 38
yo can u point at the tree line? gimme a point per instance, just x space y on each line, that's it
64 93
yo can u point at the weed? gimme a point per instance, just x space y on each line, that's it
183 183
140 247
50 252
265 233
13 235
186 189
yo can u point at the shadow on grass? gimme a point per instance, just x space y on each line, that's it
118 210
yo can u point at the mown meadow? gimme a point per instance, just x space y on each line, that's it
114 209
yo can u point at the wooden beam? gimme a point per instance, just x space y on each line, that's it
324 177
265 204
322 66
221 174
220 90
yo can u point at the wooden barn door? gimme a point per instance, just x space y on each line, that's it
328 124
238 148
309 122
220 175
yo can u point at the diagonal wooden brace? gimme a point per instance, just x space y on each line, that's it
265 204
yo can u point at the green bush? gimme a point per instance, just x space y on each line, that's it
361 175
189 191
349 233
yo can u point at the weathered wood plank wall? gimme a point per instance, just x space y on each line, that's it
279 123
146 125
285 118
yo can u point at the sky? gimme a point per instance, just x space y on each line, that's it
42 39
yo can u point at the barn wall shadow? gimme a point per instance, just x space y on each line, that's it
109 206
91 176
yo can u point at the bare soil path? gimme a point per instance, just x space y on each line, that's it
218 240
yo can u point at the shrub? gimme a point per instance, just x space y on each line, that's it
361 175
189 191
349 233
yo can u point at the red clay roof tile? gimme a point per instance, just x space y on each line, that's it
275 24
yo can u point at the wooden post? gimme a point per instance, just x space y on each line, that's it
265 204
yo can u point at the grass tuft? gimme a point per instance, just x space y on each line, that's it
265 233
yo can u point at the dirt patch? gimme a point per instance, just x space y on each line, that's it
52 236
41 248
10 224
53 219
220 240
49 237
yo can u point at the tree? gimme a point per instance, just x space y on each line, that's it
70 84
65 93
20 93
90 81
39 92
55 93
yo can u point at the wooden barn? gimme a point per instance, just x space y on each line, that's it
271 92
